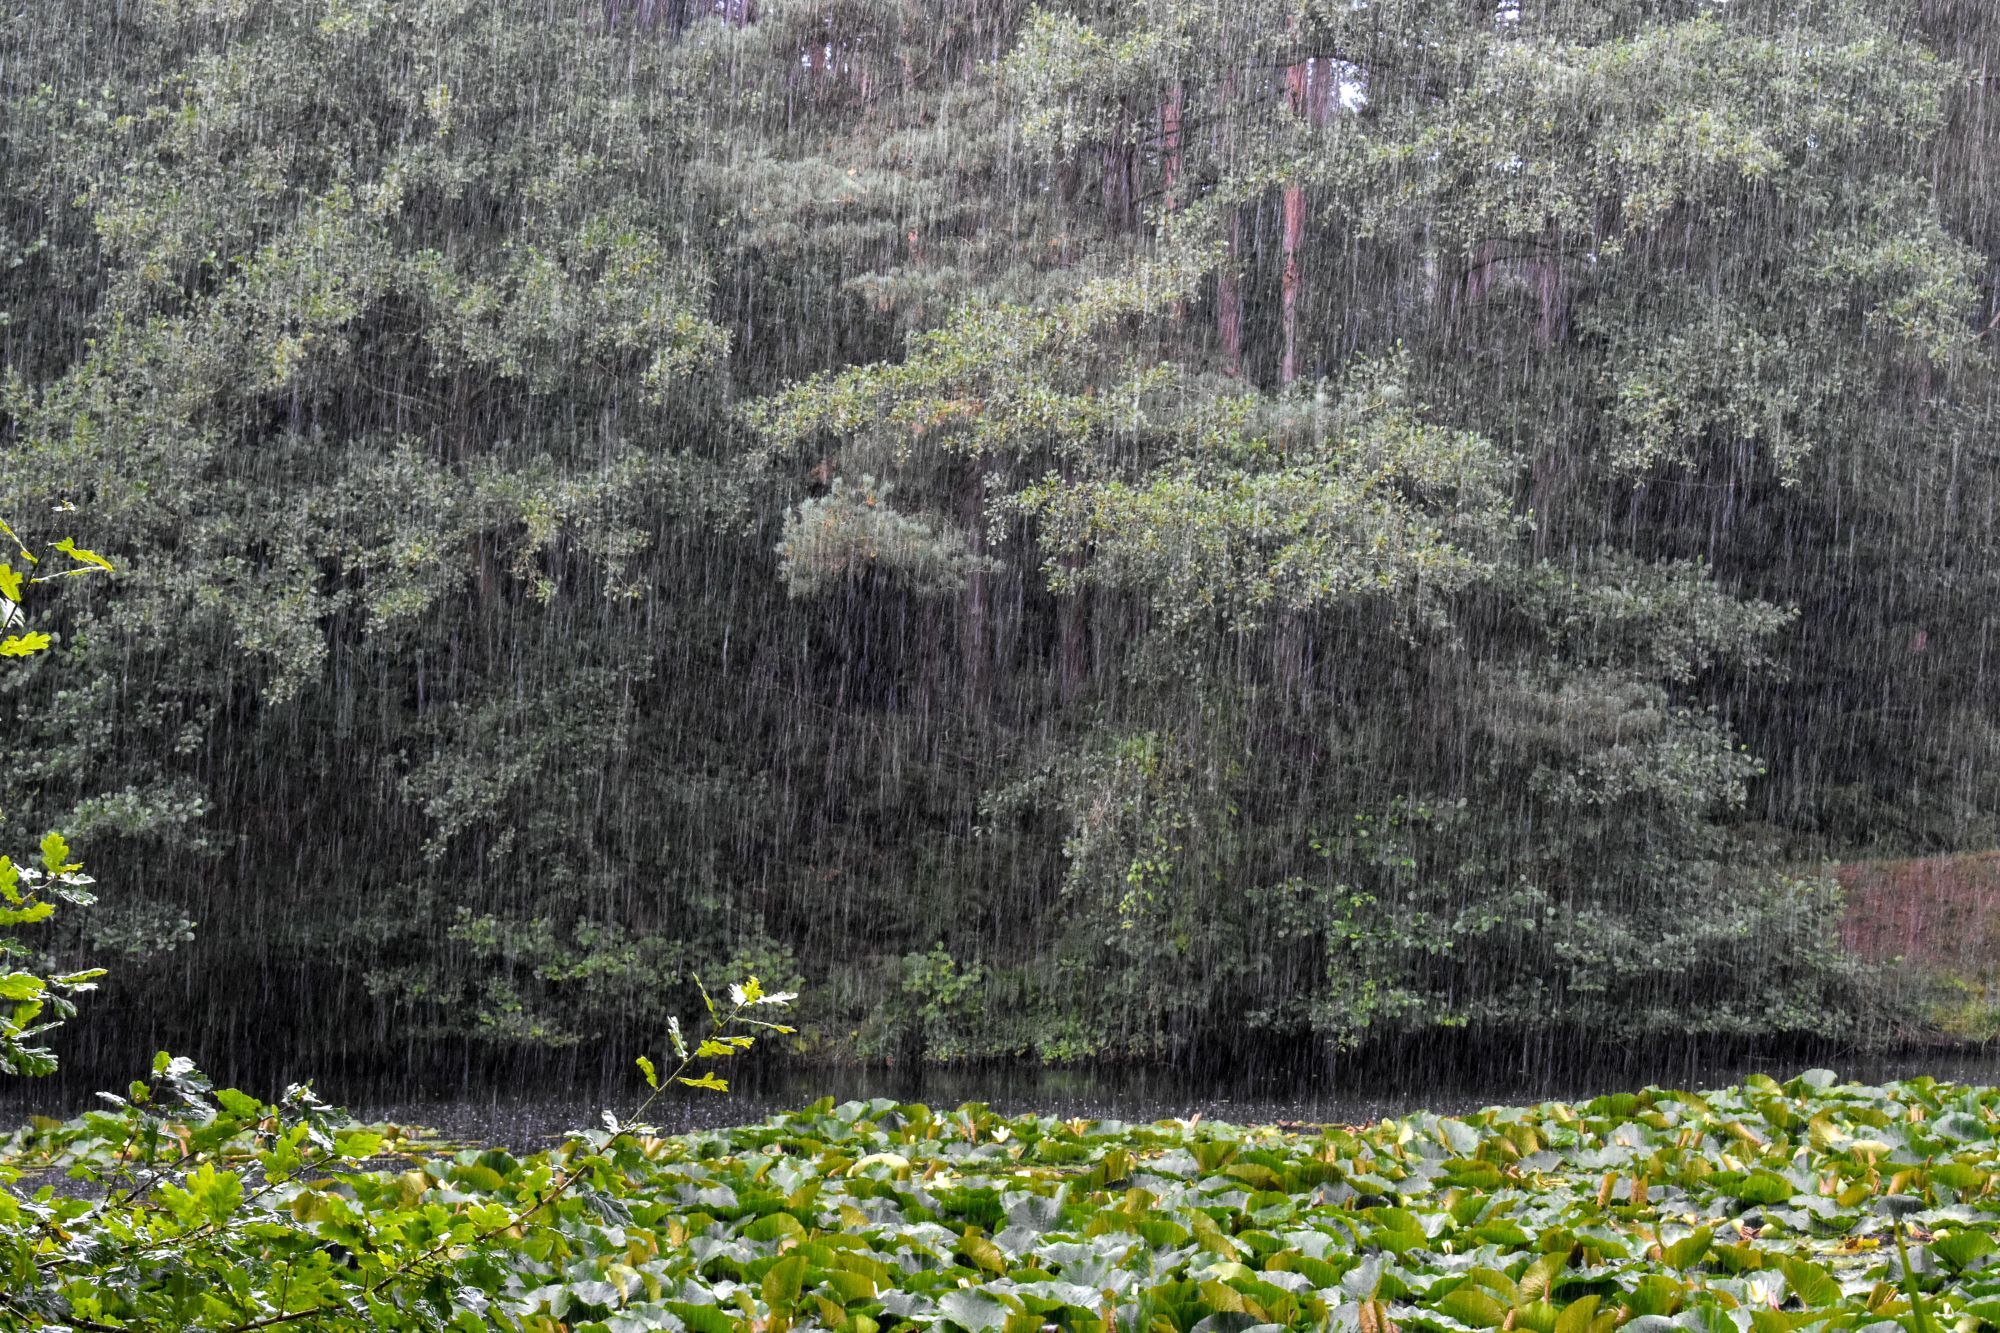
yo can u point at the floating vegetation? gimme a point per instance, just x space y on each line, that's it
1764 1208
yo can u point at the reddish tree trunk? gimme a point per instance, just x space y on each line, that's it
1228 289
1306 89
1294 279
1229 299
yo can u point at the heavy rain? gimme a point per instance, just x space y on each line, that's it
1363 629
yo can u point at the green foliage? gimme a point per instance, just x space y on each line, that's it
940 1011
32 1004
851 532
209 1209
648 482
16 584
1771 1206
1308 507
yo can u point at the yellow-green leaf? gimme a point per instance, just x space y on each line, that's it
983 1252
81 556
55 855
1813 1285
1576 1316
1536 1281
21 986
783 1280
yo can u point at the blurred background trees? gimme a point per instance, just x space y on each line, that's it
1062 526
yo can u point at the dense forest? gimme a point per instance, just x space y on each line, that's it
1069 530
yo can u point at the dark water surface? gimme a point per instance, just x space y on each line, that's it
531 1114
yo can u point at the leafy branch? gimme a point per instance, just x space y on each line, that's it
31 1004
720 1042
14 585
238 1186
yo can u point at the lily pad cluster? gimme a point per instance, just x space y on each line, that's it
1765 1208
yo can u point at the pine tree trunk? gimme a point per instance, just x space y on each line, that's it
1294 278
1171 162
1228 289
1229 299
975 627
1072 664
1121 194
1298 92
1074 667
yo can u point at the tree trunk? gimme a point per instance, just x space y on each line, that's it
1294 278
1301 95
1229 299
1228 281
1171 162
1121 193
1073 656
975 628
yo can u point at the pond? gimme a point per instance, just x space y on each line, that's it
527 1114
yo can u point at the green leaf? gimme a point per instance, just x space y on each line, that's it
358 1144
1474 1306
704 1318
1540 1276
28 915
1960 1249
1813 1285
1576 1316
974 1310
81 556
774 1226
983 1252
1688 1250
21 986
652 1074
218 1192
55 855
783 1282
1764 1187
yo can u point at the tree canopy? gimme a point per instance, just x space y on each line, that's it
1073 528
